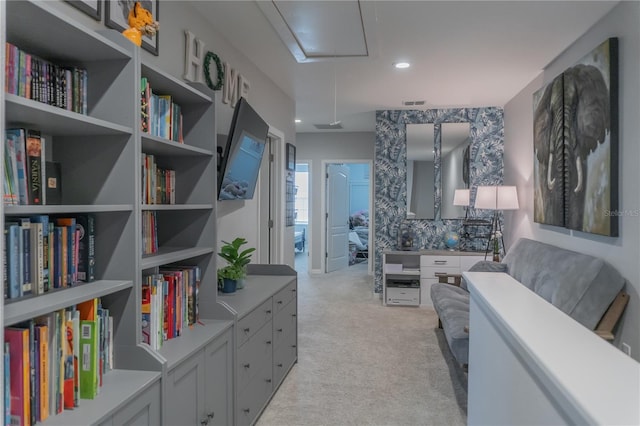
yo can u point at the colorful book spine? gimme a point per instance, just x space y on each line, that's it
88 364
25 227
86 225
12 261
42 331
37 257
7 384
46 246
34 166
18 339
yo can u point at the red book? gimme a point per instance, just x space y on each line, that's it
18 339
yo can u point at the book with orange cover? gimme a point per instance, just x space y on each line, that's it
43 341
18 339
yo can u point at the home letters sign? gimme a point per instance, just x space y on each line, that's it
197 67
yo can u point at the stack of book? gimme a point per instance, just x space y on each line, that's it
55 360
158 184
48 252
29 179
35 78
159 115
149 232
169 303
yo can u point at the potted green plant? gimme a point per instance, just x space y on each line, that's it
228 277
231 252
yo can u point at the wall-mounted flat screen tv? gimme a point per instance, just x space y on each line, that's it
242 155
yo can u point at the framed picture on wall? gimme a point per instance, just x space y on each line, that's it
291 157
92 8
116 14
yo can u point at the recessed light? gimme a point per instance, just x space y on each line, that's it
297 120
402 65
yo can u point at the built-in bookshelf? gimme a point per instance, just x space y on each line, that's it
100 150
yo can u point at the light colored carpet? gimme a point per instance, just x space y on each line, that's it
361 363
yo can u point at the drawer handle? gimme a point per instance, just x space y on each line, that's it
268 380
279 365
268 311
204 422
279 302
268 342
293 290
246 330
279 330
246 410
440 262
294 315
211 415
293 346
247 365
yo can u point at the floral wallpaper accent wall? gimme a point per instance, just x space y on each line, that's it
486 168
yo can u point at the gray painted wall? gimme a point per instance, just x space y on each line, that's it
622 252
314 148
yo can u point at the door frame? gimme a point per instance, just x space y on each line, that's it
308 239
277 189
323 210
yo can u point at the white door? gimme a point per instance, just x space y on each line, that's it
337 217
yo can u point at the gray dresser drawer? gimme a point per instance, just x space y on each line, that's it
282 297
253 321
284 355
254 355
251 400
285 322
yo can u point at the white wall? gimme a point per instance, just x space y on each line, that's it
313 148
622 252
235 218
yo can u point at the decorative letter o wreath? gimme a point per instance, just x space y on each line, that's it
207 75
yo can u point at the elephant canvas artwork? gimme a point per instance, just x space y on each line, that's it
576 145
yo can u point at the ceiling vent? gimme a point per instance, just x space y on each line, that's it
413 103
332 126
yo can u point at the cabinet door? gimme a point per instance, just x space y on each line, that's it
218 382
144 410
185 392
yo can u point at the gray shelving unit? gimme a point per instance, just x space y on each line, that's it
100 155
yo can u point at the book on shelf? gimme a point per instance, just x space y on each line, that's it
13 237
159 115
53 184
89 346
69 249
7 384
70 370
34 171
42 359
86 227
42 221
25 227
37 257
11 188
18 339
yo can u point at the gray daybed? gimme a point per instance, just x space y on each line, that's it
580 285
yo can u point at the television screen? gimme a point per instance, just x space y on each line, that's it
243 154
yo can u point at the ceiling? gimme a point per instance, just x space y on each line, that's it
462 53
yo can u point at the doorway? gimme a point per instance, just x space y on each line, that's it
301 243
356 218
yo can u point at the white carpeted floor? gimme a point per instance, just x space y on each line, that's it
361 363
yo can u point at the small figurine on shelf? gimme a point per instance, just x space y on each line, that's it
496 246
141 23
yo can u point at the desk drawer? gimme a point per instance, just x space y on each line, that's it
439 261
430 272
254 320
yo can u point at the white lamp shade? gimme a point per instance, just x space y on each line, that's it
486 198
461 197
507 198
496 198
